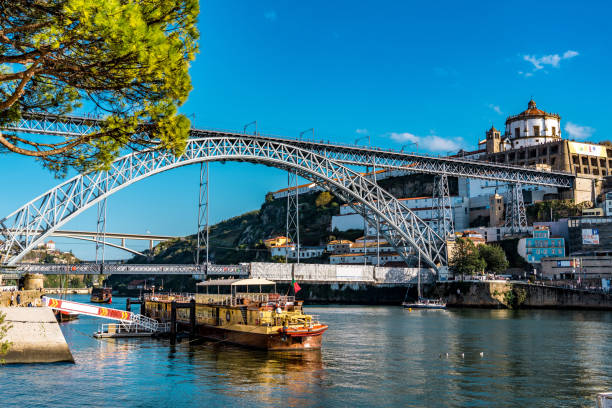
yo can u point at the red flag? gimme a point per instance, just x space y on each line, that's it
296 287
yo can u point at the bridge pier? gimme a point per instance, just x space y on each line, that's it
33 281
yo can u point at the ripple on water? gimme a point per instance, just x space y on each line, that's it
372 356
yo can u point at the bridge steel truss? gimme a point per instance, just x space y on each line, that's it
51 210
345 154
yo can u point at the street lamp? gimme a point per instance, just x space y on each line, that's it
411 143
361 138
306 131
249 124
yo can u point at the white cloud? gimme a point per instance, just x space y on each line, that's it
270 15
496 108
570 54
553 60
432 143
578 132
361 131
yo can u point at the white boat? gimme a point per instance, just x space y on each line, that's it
421 302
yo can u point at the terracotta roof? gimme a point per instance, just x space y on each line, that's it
532 110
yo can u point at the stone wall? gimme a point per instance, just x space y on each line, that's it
35 336
496 294
27 296
324 273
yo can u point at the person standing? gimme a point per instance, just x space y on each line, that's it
12 299
18 299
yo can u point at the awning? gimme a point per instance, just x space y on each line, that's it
236 282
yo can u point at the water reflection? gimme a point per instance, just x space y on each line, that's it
371 357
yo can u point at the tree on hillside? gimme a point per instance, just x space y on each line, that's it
465 259
324 198
128 60
494 257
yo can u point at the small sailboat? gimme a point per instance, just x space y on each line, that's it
421 302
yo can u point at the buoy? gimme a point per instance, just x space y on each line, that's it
481 354
446 355
410 309
462 355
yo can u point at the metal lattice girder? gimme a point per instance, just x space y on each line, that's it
203 229
62 203
354 155
132 269
516 217
293 213
101 231
443 210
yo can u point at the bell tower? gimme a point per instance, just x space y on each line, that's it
493 141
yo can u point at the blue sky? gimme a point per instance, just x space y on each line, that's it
438 73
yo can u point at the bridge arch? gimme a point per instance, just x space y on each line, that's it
29 225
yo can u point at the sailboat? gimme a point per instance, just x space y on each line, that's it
421 302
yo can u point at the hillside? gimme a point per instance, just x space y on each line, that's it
240 239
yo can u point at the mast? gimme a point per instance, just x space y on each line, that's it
419 277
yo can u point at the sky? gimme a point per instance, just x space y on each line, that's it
436 73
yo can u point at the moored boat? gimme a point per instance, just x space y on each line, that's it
101 295
268 321
62 316
421 302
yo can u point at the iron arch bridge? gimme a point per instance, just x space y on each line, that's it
29 225
67 125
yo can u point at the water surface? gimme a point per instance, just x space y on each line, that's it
371 357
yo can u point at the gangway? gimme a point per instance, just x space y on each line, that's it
130 324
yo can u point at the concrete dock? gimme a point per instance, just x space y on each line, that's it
35 336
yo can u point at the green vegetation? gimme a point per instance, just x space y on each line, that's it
465 259
494 257
129 58
4 344
468 259
515 297
554 209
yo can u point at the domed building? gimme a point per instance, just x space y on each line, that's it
532 126
533 138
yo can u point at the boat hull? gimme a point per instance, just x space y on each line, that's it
272 342
97 300
423 306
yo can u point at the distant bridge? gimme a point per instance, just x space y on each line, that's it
99 238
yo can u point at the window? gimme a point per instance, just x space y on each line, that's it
593 161
536 131
554 131
517 132
585 162
554 149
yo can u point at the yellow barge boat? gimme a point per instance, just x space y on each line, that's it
267 321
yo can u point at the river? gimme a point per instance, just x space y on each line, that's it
371 357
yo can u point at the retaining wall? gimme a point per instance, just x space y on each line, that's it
323 273
35 336
494 295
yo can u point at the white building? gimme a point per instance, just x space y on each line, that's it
532 127
370 259
423 207
290 251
